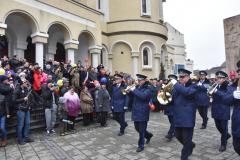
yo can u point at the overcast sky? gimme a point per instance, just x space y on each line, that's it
201 22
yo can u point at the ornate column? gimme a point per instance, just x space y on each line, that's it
95 51
156 64
20 47
110 57
39 39
71 46
135 55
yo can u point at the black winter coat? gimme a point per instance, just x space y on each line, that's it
18 98
5 93
47 96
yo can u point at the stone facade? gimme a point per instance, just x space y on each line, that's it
232 42
126 36
177 57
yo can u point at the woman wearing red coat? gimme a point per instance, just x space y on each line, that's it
37 80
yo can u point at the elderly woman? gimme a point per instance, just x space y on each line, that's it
72 106
102 102
86 105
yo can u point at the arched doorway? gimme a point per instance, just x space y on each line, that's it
3 46
122 61
58 34
86 40
29 53
20 26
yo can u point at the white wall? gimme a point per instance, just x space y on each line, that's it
176 42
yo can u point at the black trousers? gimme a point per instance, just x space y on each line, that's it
120 118
203 111
141 128
172 128
184 136
236 144
102 118
71 126
86 119
222 127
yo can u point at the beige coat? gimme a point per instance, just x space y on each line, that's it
86 102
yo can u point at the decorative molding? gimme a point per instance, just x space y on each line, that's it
137 20
135 54
85 7
147 41
58 12
121 41
71 42
3 25
45 35
95 47
136 32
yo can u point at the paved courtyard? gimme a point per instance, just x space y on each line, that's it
99 143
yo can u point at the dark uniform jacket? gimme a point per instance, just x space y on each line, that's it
119 101
168 109
184 108
202 99
236 112
140 106
221 102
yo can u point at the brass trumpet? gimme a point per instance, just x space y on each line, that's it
212 89
164 97
126 90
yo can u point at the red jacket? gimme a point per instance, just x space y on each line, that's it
36 80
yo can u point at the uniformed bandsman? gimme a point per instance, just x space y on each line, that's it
168 110
202 97
221 108
140 110
184 111
119 103
236 112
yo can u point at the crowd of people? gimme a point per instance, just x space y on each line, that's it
66 90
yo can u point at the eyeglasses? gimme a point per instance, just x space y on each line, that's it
182 76
220 77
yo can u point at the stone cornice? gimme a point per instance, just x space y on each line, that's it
136 32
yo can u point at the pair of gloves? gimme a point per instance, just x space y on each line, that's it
125 108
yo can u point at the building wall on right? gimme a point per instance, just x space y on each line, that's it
232 41
177 57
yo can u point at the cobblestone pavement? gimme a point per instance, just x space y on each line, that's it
98 143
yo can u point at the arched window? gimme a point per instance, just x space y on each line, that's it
99 5
145 7
147 57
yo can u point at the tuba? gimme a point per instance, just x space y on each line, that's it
126 90
164 96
